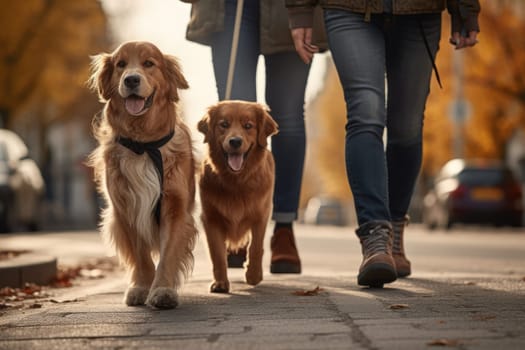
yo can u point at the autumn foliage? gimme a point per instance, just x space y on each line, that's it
493 85
44 56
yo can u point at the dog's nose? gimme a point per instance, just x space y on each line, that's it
132 81
235 142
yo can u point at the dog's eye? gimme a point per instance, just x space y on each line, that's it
224 124
148 64
121 64
248 126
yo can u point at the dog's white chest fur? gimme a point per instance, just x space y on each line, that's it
142 192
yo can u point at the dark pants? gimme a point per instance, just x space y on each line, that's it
365 54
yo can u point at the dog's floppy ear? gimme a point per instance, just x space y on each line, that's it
175 78
267 127
100 79
204 125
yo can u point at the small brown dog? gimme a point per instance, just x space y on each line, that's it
236 185
144 166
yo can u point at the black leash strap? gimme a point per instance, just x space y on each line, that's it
430 54
152 149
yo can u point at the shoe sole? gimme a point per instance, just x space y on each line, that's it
376 275
285 267
403 273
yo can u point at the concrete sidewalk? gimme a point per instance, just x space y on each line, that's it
458 309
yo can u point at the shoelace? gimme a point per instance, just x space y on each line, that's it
396 241
378 241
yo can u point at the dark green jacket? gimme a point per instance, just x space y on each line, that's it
207 17
464 13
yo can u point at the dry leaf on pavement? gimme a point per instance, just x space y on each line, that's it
399 306
444 342
308 293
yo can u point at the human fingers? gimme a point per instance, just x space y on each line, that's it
308 41
457 40
303 50
472 39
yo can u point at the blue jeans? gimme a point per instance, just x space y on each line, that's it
365 53
286 77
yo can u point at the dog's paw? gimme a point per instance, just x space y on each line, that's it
163 298
220 287
253 276
136 296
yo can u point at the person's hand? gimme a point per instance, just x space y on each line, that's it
302 39
460 41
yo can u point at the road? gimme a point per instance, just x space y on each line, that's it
467 291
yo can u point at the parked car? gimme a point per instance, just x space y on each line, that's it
21 185
473 191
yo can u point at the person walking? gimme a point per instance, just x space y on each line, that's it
264 31
370 41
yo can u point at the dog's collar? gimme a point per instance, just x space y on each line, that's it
141 147
152 149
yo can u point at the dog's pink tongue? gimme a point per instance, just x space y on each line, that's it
134 105
235 161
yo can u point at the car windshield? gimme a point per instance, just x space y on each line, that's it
487 177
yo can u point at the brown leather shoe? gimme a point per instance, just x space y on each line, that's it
378 266
285 258
403 268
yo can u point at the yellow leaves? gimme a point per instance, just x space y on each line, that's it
493 85
46 52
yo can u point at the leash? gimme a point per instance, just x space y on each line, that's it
429 52
235 45
152 149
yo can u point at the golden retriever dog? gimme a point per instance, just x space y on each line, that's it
145 168
236 185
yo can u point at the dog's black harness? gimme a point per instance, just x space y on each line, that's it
152 149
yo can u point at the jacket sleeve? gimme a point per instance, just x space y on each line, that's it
301 13
464 15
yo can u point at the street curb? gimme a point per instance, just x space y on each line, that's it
27 268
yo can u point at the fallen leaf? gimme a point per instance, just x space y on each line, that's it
13 298
76 300
308 293
35 306
399 306
444 342
483 317
7 291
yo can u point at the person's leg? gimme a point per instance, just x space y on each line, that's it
285 97
244 78
358 50
409 70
